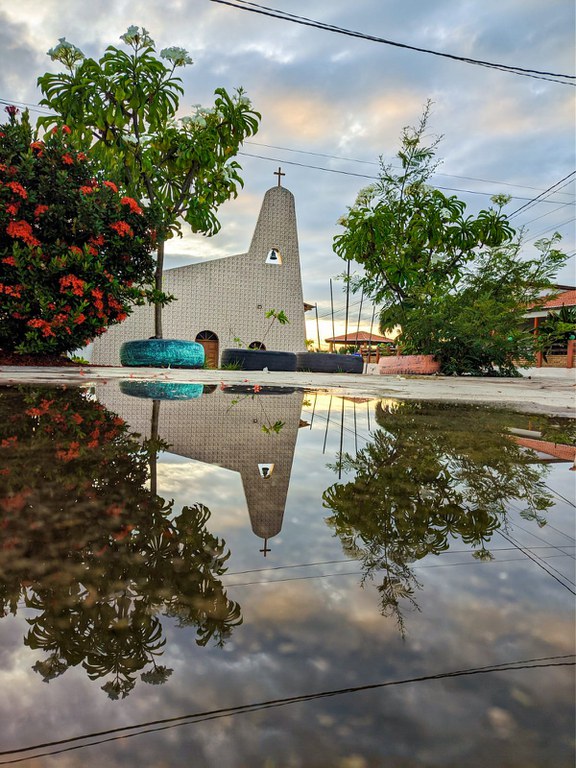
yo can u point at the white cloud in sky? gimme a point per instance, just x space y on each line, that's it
332 94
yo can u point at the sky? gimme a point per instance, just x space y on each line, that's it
333 104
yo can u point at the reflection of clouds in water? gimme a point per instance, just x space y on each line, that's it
327 633
190 482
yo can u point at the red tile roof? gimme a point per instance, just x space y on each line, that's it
566 298
353 337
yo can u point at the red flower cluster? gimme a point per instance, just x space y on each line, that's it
74 243
132 204
23 231
39 210
18 189
43 325
122 228
11 290
72 283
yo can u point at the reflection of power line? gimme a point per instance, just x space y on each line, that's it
540 538
537 562
415 566
354 560
198 717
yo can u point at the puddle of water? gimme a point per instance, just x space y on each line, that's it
282 578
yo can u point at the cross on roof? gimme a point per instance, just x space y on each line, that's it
279 174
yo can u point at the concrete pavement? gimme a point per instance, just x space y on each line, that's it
543 390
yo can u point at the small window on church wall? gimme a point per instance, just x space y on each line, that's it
274 256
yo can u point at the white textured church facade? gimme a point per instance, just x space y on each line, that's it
220 300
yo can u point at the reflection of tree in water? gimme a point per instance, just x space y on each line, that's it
432 473
88 547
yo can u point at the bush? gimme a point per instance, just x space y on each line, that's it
75 254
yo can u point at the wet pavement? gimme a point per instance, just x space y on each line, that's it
543 390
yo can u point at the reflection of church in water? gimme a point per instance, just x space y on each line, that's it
225 427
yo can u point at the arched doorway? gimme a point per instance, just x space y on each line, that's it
209 341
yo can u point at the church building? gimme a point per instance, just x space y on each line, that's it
225 299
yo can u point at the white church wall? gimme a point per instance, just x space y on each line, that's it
230 296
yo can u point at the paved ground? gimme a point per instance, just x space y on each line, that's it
543 390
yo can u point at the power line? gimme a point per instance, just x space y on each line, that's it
375 178
373 162
305 21
38 108
550 229
543 195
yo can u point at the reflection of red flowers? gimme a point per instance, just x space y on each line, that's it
9 260
86 190
23 231
9 441
68 159
72 452
257 388
12 209
122 228
76 250
111 184
79 319
97 240
41 410
15 503
132 204
37 146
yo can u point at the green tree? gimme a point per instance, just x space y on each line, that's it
122 109
558 328
433 269
479 326
75 253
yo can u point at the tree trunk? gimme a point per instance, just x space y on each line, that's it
154 454
158 286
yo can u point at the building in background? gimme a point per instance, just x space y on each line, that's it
223 300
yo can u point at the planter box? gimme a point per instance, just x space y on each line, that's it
258 359
162 353
409 364
327 362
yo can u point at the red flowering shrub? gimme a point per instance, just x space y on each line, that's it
75 253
